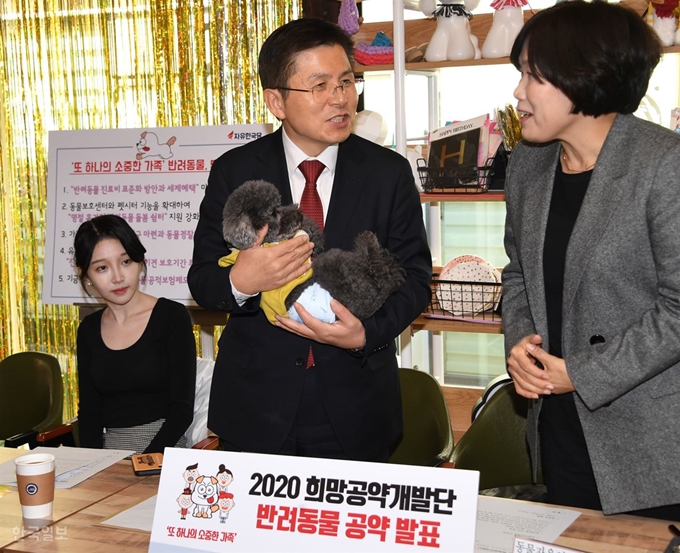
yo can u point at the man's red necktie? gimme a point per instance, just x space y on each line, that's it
310 205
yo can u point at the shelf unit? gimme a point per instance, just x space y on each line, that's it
408 34
444 325
492 196
415 33
431 65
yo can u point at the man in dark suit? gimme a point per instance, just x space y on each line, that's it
311 388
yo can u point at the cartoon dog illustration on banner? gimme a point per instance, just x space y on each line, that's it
150 146
206 493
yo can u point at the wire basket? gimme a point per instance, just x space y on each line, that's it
450 180
465 301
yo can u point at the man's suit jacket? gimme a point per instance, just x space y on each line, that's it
621 285
259 371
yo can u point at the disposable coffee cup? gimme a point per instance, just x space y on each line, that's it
35 482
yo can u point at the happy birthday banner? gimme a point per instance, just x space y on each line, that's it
154 178
224 501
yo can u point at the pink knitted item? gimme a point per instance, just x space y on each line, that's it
348 18
366 54
378 52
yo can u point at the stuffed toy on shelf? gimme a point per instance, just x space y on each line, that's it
452 38
360 279
664 20
508 19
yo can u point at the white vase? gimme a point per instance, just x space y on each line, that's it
450 40
505 27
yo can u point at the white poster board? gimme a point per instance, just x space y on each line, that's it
153 177
223 501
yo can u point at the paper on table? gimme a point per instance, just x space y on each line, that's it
139 517
532 545
500 520
73 464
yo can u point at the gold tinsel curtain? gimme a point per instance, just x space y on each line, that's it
101 64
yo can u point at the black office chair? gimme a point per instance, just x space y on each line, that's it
32 401
427 439
496 445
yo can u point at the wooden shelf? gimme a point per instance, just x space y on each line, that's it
417 32
430 65
672 49
446 325
495 196
433 65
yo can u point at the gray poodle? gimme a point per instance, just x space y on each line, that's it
257 203
361 279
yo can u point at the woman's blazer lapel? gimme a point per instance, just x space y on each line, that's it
601 201
537 177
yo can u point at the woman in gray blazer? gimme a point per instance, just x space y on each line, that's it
591 304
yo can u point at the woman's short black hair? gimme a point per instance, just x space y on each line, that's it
91 232
276 62
599 55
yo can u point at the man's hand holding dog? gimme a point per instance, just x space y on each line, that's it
260 269
346 332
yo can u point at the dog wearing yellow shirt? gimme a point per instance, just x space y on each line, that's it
361 279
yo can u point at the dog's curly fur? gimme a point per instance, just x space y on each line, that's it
361 279
257 203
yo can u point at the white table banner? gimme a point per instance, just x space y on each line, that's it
223 501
